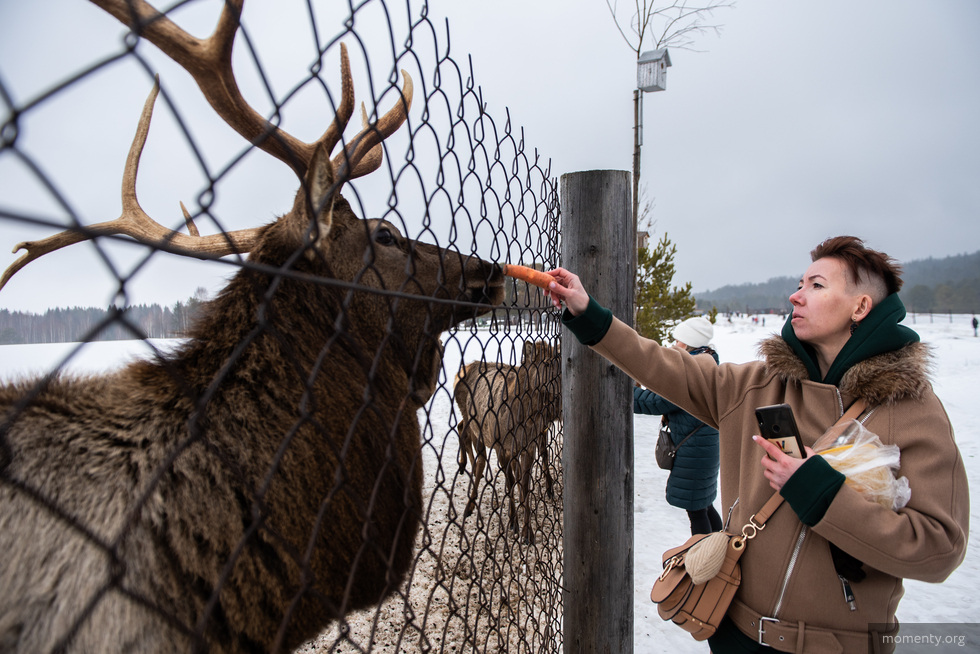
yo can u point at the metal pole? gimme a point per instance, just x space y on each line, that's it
637 143
598 424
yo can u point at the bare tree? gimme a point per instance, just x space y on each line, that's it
660 25
676 24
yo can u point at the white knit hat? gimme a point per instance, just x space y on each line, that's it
694 332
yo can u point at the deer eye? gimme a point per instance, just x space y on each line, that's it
384 237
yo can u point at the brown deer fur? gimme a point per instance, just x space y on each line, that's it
244 490
509 409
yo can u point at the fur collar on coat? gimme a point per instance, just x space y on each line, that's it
881 380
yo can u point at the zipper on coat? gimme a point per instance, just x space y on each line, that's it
840 410
800 538
848 593
845 584
789 571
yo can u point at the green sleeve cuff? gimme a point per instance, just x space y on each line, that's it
812 488
591 325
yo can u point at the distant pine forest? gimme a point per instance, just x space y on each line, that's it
78 324
949 285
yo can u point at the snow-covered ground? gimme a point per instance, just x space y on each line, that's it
657 525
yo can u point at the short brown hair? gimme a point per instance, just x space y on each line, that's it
864 266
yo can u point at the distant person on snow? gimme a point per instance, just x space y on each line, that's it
975 323
693 481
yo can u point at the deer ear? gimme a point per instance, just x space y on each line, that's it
426 375
320 180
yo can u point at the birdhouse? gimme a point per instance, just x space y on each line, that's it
651 70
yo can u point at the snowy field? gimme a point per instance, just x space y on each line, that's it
657 525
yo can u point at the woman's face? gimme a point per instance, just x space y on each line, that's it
823 307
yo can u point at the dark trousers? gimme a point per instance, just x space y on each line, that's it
705 521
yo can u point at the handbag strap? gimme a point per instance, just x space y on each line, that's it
758 521
693 431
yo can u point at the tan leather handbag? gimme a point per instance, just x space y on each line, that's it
701 576
699 607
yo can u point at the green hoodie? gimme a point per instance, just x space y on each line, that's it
876 334
813 487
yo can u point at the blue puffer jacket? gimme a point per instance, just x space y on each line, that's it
693 482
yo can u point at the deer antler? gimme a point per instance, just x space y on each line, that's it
134 222
209 63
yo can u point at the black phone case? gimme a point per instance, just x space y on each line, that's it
777 425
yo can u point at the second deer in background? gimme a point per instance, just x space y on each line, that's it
509 409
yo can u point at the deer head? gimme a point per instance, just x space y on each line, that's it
305 374
332 241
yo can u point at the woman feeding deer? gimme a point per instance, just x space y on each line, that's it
825 575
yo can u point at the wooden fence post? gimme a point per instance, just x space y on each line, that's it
597 237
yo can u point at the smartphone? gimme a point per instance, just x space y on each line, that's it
777 425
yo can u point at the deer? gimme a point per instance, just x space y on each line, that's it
509 409
255 484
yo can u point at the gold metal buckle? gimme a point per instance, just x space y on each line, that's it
672 563
750 529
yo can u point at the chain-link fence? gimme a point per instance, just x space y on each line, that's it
357 445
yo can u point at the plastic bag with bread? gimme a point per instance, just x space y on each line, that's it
869 465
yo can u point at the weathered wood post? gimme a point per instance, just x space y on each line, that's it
597 237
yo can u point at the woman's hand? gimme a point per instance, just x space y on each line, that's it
778 465
568 287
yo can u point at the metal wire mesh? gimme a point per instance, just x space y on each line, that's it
244 467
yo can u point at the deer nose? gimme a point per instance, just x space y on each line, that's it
483 273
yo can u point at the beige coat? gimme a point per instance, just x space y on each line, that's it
787 572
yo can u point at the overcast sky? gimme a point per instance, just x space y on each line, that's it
799 121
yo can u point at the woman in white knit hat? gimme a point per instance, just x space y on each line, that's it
693 481
693 333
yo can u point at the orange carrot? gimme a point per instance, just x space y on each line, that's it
529 275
